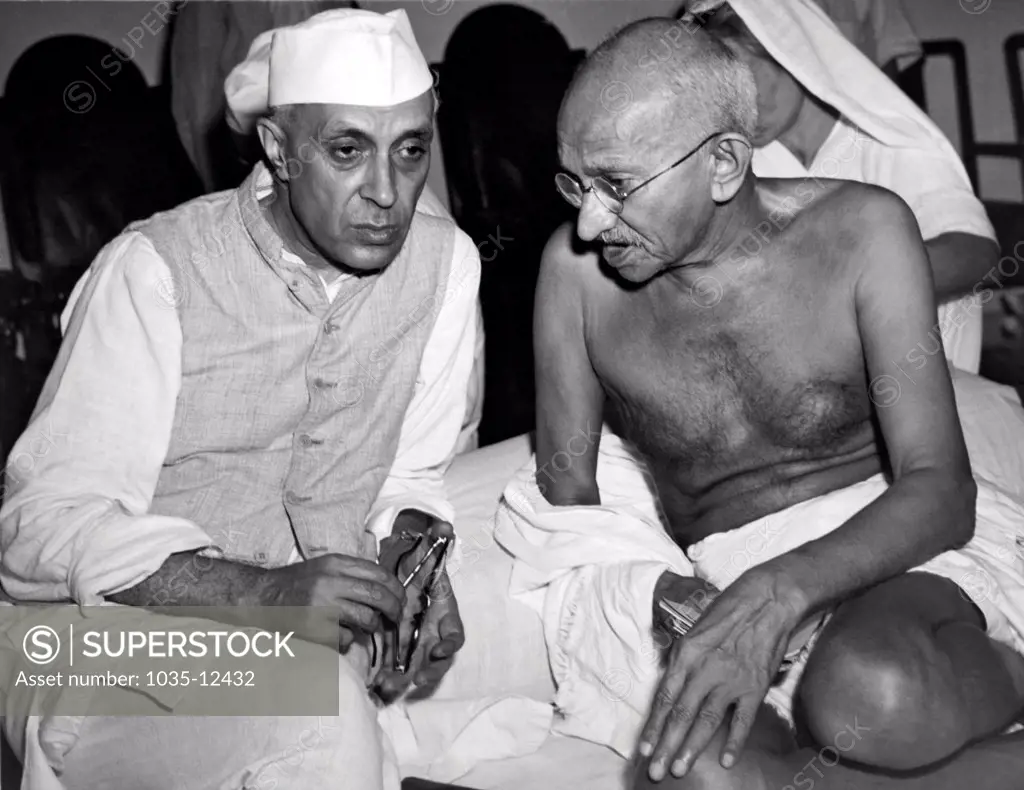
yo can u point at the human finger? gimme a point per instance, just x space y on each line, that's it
430 674
452 637
669 687
391 685
441 529
359 568
374 595
358 617
701 729
678 718
740 726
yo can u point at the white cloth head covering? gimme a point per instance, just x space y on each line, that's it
807 44
345 56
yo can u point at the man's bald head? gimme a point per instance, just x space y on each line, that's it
668 72
661 115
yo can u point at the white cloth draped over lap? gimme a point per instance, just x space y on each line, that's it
590 571
597 566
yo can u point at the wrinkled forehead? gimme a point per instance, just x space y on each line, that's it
593 139
412 117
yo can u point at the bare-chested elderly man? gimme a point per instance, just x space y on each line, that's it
751 401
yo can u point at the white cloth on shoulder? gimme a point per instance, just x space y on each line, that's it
879 28
590 571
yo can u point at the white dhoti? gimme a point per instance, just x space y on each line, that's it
590 572
989 569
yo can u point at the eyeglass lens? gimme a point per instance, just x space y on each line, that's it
573 193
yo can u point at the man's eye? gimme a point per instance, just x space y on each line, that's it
412 153
346 152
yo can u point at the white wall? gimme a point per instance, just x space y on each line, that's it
136 26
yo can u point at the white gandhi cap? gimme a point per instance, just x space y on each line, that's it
346 56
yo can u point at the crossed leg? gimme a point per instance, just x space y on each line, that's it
904 690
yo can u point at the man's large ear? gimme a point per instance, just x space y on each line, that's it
274 140
730 158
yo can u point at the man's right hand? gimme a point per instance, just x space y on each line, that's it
359 594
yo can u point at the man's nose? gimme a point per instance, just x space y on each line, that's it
380 184
593 219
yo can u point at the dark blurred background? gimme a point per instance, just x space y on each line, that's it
112 111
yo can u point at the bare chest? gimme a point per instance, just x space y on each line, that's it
711 396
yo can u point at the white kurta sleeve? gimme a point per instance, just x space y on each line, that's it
80 480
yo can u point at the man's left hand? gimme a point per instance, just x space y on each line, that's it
726 661
441 637
441 632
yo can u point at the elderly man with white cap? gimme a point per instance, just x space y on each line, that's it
273 379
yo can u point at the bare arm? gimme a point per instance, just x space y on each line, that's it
331 590
570 400
929 508
960 261
190 579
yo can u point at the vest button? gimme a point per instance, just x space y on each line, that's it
330 328
306 440
294 499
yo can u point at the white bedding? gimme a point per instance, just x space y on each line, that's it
505 650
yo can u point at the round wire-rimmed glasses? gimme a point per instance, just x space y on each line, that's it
612 197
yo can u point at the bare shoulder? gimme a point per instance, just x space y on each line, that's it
865 209
563 254
874 205
844 203
863 225
566 269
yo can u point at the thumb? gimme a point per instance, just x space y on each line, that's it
451 635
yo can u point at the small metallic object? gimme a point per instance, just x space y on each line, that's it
682 617
400 665
423 561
